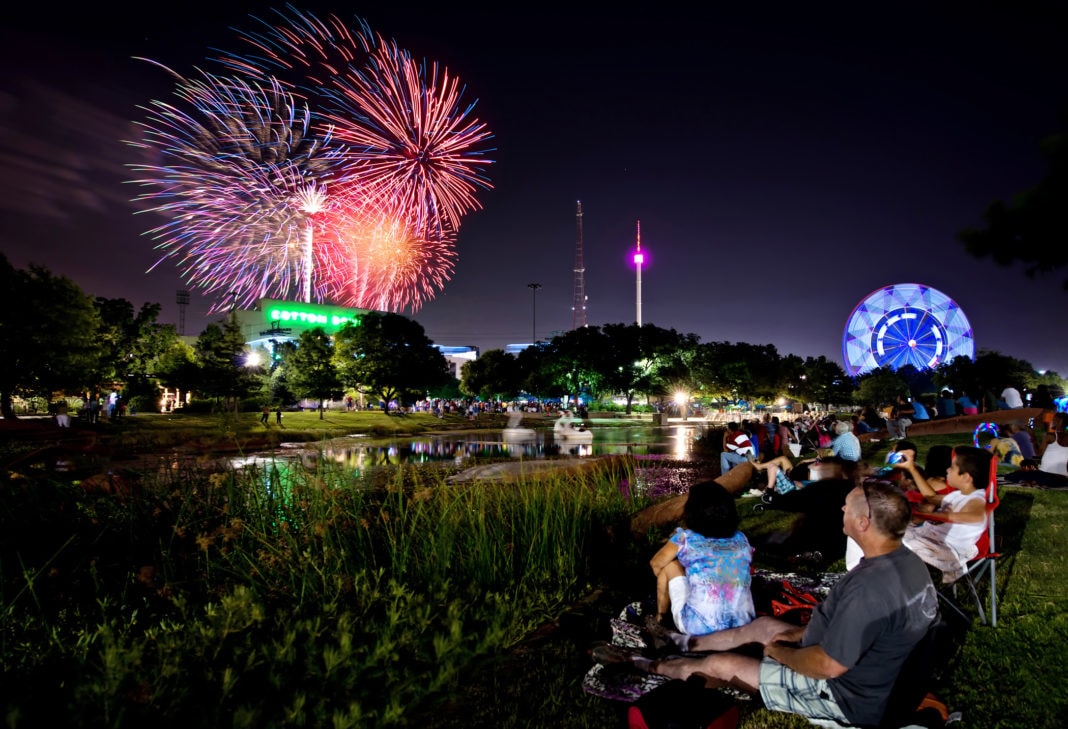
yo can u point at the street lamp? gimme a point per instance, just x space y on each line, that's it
534 312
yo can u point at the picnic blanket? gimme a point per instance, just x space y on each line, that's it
623 682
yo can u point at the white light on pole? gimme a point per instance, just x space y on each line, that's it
639 259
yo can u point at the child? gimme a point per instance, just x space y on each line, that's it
703 571
949 542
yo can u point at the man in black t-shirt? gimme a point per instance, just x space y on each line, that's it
842 666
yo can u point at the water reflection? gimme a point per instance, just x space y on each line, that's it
675 442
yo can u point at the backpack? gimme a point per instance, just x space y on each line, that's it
680 704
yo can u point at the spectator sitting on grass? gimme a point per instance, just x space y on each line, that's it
845 446
737 448
703 571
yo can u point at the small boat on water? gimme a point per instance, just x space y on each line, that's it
515 434
567 430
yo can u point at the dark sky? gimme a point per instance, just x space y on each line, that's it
783 163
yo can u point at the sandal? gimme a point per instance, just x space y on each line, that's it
608 654
658 637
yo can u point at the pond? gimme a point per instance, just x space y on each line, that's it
674 442
669 461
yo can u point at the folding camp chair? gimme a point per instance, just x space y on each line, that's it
984 563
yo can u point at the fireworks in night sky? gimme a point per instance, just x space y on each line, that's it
241 178
327 163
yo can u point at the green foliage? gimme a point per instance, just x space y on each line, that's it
144 404
493 375
390 357
51 344
879 386
573 363
221 370
278 596
310 370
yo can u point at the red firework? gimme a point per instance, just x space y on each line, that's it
413 149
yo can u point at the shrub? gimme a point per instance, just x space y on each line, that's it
144 404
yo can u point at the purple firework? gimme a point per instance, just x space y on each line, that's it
242 179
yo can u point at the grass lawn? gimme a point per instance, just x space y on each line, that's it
218 552
1004 676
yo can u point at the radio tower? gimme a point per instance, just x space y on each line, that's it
578 301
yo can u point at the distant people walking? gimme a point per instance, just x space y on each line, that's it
62 414
265 412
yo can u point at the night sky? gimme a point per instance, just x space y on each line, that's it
784 164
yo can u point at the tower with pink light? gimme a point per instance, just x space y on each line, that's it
639 259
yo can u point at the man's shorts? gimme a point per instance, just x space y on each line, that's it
783 689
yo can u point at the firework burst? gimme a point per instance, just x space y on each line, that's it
408 128
242 180
404 123
353 195
376 260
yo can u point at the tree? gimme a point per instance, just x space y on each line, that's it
494 375
825 382
1033 227
48 335
310 368
738 370
880 385
176 366
997 371
131 345
277 380
637 358
389 356
575 360
222 372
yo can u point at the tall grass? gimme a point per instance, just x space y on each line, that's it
280 596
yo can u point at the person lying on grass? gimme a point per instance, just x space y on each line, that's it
843 665
703 571
783 476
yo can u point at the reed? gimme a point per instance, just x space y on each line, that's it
280 595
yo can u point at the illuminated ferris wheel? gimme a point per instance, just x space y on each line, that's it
905 324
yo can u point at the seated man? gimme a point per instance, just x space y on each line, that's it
737 448
843 665
845 446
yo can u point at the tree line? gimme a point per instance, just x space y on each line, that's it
57 339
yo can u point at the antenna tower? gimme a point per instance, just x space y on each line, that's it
182 299
578 301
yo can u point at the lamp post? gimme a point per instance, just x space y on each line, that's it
534 312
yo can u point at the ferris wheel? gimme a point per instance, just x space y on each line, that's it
905 324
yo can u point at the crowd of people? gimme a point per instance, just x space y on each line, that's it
897 524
